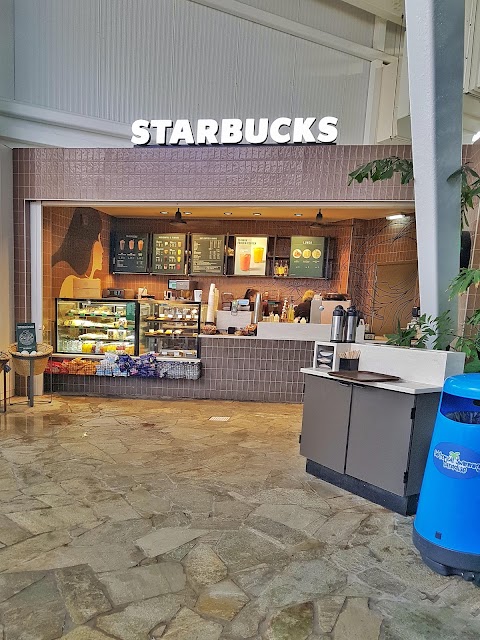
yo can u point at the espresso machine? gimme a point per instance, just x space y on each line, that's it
180 289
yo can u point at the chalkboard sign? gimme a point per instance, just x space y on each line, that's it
26 337
129 252
307 257
208 254
168 253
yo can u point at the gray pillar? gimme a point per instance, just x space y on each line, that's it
435 34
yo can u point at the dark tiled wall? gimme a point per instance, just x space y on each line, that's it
376 242
268 173
233 369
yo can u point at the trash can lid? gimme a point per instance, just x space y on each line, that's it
465 385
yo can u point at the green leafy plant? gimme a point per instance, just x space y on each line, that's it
402 337
461 283
385 168
429 331
438 330
469 345
470 189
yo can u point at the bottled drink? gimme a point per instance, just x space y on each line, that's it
291 312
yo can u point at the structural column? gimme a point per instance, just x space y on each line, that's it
435 35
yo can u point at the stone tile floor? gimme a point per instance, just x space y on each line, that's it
135 519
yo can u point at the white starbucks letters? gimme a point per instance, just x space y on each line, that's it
234 131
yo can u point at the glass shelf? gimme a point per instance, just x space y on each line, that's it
177 345
114 327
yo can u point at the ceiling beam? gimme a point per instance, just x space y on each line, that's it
378 8
278 23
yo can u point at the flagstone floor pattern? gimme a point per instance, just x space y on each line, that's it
139 520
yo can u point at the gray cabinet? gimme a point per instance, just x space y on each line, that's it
379 437
368 440
326 412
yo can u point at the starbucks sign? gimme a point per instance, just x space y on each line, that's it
281 130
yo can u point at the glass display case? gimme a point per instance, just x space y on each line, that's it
97 326
170 328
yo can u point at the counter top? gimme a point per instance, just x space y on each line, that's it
402 386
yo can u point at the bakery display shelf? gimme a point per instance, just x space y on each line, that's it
95 326
83 314
167 320
102 339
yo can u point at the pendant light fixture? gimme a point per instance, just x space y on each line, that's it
318 220
178 218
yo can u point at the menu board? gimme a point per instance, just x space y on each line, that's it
26 337
208 254
307 257
169 253
250 255
130 252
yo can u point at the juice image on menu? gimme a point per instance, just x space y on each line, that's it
131 245
245 258
122 245
140 245
258 254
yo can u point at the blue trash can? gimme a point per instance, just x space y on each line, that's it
446 530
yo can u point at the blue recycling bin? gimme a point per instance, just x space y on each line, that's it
446 530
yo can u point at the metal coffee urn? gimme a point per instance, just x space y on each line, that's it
337 330
351 324
258 309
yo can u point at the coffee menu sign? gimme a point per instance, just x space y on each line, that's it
307 257
130 253
208 254
282 130
168 255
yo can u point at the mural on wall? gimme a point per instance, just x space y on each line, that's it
83 251
383 271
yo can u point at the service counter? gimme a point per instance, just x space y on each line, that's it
232 368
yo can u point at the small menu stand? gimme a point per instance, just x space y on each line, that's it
30 365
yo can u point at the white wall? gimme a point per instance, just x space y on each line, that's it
119 60
6 252
6 49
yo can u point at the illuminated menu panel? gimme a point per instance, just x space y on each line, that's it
130 252
168 253
250 255
307 257
208 254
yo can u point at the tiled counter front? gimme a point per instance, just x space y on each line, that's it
232 369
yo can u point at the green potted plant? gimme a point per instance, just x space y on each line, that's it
469 343
438 332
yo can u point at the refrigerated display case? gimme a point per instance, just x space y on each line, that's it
170 328
96 326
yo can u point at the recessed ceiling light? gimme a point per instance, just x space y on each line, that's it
256 213
396 216
227 213
187 213
298 215
164 213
